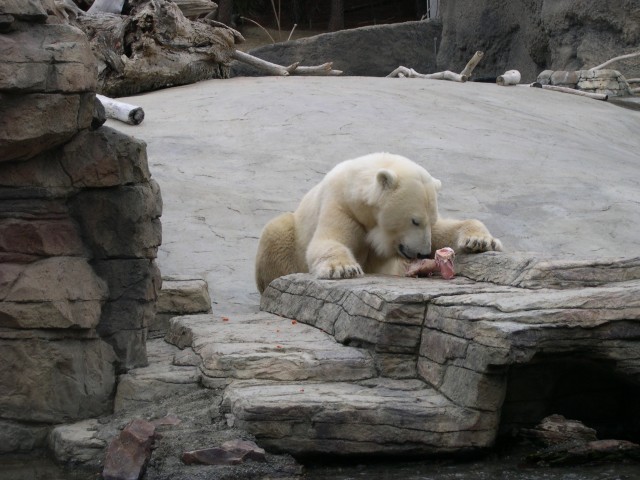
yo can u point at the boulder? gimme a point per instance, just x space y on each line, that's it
128 224
55 376
57 292
180 295
55 119
77 442
128 453
46 58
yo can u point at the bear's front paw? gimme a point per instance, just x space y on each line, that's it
480 243
337 270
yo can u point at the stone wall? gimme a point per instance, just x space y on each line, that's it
367 51
79 232
535 35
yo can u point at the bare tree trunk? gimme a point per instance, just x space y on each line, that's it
225 11
336 21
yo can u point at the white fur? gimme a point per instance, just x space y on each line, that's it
363 216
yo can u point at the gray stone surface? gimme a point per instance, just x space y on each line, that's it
531 36
180 295
519 159
52 377
71 308
263 346
469 333
46 58
403 417
56 292
187 418
184 295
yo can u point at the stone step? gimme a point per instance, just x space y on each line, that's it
268 347
474 341
371 417
530 270
179 295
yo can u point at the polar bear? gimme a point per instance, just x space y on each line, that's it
371 214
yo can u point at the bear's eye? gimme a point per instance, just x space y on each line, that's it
415 222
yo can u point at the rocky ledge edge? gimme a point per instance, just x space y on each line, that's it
387 365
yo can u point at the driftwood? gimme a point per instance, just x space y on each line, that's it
615 59
106 6
155 46
471 64
195 8
121 111
293 69
404 72
573 91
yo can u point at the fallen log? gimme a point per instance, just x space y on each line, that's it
293 69
155 46
613 60
195 8
404 72
124 112
106 6
572 91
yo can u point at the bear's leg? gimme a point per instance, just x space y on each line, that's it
463 236
336 243
332 259
277 251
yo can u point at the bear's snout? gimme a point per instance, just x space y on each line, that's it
409 254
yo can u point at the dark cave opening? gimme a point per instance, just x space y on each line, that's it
590 390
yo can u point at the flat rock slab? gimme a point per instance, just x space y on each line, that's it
264 346
384 312
464 335
376 416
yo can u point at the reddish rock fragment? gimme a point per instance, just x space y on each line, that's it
248 449
129 452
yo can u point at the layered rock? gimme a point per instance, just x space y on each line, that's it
79 232
510 355
532 36
180 295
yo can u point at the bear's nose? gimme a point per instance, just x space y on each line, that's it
422 256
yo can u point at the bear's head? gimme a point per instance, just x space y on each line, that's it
406 207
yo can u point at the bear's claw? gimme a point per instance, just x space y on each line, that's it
482 244
339 271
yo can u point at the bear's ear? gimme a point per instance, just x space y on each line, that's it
387 179
437 183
